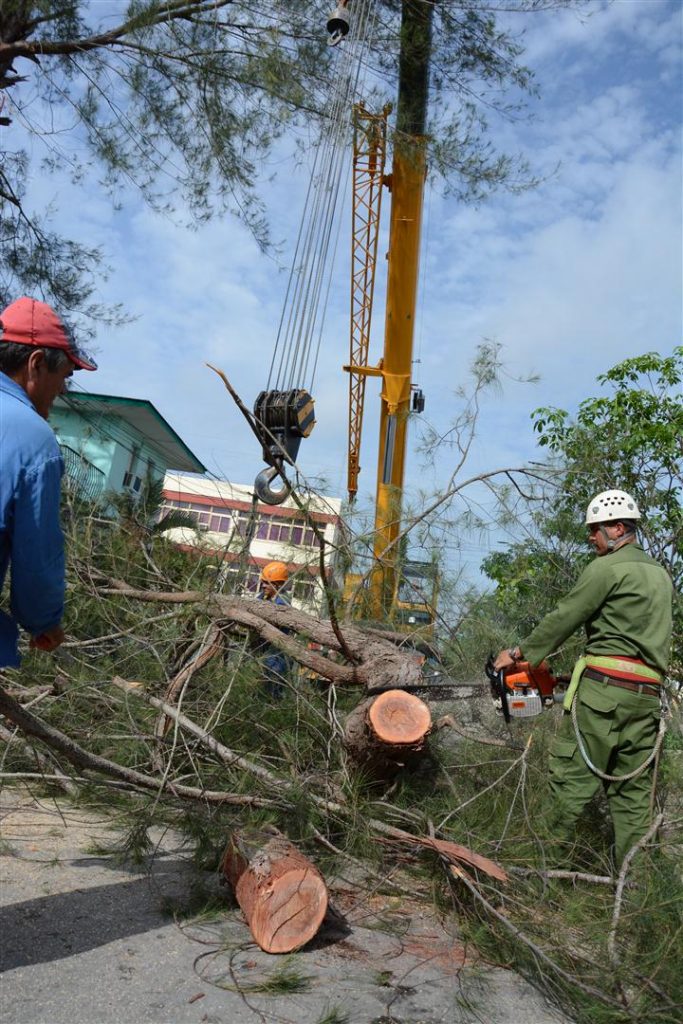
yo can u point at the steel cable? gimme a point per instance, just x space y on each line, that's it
312 265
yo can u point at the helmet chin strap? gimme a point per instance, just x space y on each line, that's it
614 545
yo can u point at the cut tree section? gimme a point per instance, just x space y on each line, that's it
398 717
281 893
388 732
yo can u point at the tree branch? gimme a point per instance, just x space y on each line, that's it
83 759
619 894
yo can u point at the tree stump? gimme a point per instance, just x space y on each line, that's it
282 895
386 733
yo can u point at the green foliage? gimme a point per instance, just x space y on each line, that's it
184 102
569 921
631 439
530 578
133 847
335 1016
287 979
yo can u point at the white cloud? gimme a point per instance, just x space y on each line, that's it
601 27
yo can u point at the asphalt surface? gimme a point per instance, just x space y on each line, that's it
85 941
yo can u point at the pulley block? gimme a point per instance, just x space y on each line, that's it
338 24
282 419
418 402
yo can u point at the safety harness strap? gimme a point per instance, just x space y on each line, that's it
604 662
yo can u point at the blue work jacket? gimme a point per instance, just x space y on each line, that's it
31 539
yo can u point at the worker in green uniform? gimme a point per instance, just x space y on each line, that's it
624 600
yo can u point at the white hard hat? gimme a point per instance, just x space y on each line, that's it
610 506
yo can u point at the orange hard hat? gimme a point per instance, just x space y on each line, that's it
275 572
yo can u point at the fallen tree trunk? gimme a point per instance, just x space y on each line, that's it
386 733
377 663
281 893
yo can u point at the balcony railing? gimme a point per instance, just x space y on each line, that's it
81 476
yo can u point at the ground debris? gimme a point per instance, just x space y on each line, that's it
79 926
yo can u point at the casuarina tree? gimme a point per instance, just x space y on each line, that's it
182 100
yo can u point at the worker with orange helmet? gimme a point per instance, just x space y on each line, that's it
273 578
276 664
610 728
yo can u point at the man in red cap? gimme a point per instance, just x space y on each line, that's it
37 356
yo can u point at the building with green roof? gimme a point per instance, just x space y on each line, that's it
111 443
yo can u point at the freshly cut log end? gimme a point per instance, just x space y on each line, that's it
399 717
281 893
387 733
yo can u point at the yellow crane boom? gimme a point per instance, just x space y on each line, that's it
407 187
406 184
408 173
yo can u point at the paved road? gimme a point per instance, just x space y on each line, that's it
83 941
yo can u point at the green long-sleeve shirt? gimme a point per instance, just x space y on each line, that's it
624 599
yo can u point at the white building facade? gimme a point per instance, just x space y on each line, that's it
242 535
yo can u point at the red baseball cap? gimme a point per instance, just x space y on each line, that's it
30 322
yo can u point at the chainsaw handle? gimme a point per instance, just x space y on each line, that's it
498 687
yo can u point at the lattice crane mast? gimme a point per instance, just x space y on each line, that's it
369 155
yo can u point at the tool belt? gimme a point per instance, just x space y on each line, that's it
649 689
599 666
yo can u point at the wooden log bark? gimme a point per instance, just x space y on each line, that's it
377 663
281 893
388 732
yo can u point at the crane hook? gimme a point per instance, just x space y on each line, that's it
265 492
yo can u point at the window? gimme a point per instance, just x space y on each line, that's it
413 617
241 524
415 589
129 477
304 588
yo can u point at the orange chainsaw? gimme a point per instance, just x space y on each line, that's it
521 691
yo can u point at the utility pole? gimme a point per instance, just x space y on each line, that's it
406 183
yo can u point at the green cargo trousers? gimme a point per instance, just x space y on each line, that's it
619 729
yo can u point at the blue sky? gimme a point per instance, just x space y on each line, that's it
568 278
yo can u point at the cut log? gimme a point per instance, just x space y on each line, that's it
388 732
282 895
